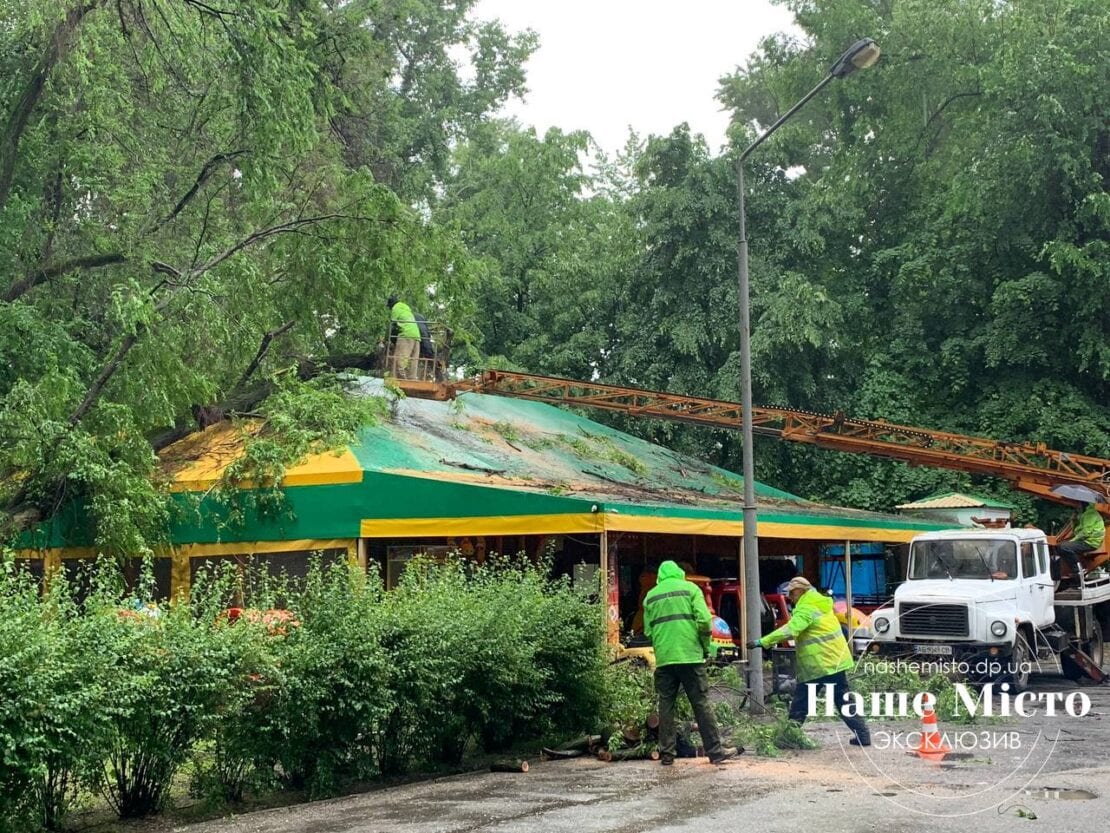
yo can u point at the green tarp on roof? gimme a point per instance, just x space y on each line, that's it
490 465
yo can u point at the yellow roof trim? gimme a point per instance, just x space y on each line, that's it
587 522
198 462
580 522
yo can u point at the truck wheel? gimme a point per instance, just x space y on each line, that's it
1021 664
1092 648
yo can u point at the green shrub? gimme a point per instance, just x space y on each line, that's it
230 759
496 653
27 649
570 637
175 675
628 694
53 698
116 694
324 692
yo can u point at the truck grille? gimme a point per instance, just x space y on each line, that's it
932 619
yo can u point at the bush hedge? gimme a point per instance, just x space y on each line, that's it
114 695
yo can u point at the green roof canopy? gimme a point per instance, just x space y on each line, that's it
487 465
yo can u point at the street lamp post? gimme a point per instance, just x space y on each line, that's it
862 54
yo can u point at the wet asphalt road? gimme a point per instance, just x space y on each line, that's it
834 788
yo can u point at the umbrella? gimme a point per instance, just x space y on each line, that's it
1084 494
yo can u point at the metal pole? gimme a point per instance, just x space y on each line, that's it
868 52
848 585
745 654
781 121
752 597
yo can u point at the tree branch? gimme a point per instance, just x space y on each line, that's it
205 174
212 11
263 348
263 234
941 109
246 397
32 91
106 373
33 279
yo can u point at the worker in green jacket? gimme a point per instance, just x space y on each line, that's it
406 347
1086 537
822 657
677 621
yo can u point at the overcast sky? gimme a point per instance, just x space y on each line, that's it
606 65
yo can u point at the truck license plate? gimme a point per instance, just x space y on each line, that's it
934 650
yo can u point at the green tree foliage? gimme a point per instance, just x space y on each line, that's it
928 242
951 201
202 203
403 130
524 205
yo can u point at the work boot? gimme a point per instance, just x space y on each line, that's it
667 760
726 753
862 737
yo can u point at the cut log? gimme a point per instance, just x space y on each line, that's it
653 721
605 755
563 754
583 742
509 765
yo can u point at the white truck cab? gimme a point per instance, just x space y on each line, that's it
986 599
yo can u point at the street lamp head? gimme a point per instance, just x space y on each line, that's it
860 55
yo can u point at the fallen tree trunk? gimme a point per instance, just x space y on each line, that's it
563 754
635 753
509 765
583 742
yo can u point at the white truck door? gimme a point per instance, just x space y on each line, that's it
1035 589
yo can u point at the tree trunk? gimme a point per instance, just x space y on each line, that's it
509 765
56 46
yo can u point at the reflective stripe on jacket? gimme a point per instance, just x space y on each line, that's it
676 618
821 647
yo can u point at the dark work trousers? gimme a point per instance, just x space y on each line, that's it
695 682
1070 551
799 706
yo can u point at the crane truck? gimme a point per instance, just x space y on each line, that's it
990 598
987 604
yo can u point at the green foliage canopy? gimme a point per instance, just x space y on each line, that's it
195 213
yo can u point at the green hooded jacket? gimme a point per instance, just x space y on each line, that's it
676 618
1090 528
821 647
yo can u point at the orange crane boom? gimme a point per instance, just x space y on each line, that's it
1031 467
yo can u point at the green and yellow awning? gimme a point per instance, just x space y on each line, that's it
485 466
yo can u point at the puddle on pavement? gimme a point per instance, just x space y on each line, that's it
1054 794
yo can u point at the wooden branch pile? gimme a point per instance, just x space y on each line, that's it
630 743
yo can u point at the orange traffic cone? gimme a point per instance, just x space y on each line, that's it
932 744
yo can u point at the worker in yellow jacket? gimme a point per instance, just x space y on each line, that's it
406 347
822 657
1086 537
